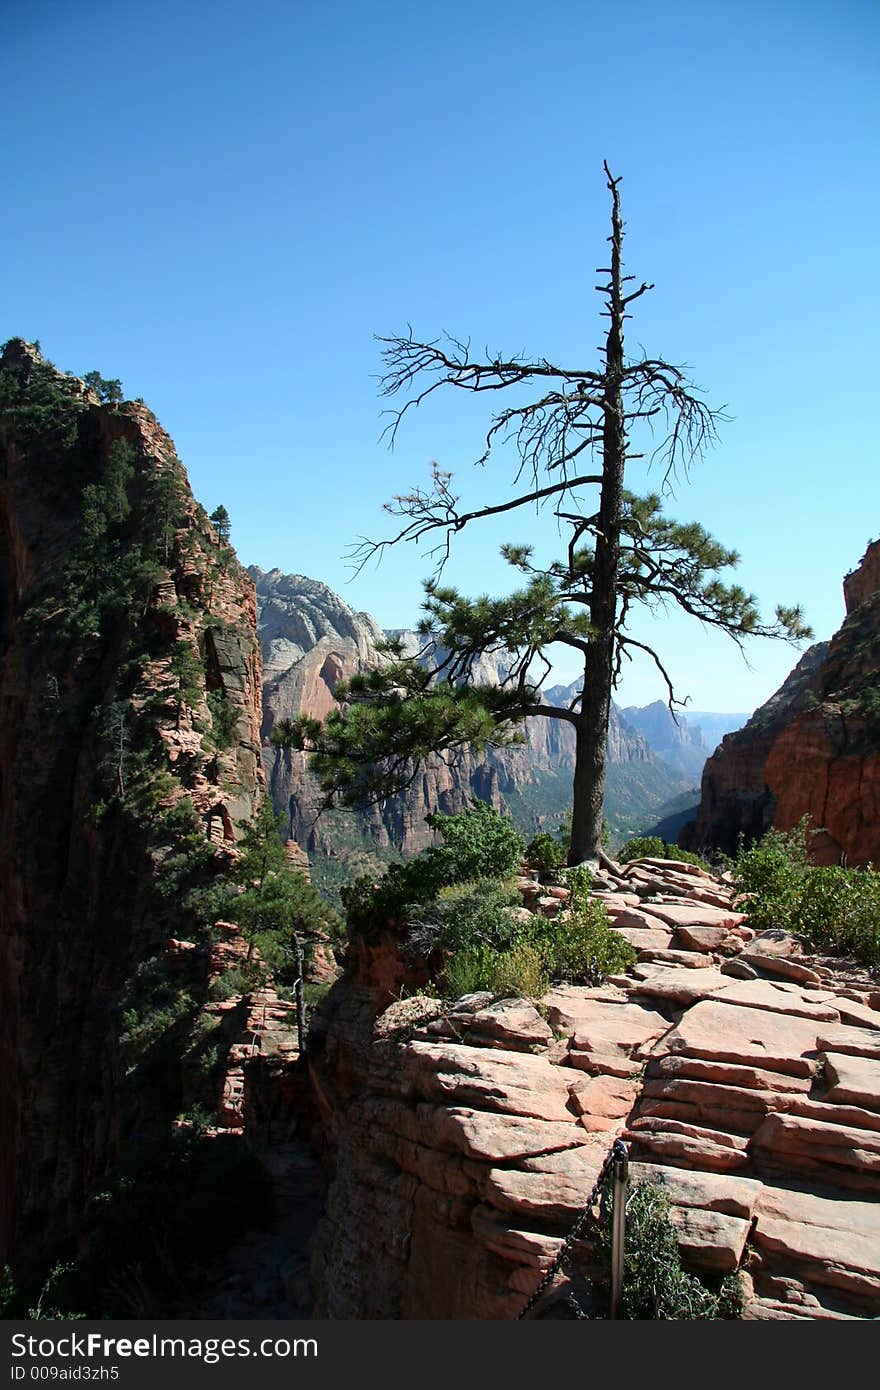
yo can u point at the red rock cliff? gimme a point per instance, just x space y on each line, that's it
813 749
130 674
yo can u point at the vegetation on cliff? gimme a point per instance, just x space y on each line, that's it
836 909
457 909
130 745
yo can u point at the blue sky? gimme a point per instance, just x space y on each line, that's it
222 205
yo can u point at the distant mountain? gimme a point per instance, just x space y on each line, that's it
713 726
673 739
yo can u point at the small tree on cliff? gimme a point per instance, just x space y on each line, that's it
274 904
621 551
221 522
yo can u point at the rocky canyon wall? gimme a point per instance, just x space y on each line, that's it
129 728
813 749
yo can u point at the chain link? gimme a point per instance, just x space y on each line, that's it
585 1215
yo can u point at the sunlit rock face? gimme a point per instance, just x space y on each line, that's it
739 1069
813 749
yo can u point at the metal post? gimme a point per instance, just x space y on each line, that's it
298 996
620 1175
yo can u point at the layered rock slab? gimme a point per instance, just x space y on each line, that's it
725 1089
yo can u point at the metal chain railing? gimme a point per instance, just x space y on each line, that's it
617 1158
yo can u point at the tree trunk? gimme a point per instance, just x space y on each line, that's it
592 727
589 780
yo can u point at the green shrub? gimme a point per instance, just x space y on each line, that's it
240 980
771 872
519 971
579 881
224 719
465 915
584 947
8 1293
314 991
655 1286
477 843
39 406
517 957
51 1299
652 847
544 853
840 912
152 1011
835 909
642 847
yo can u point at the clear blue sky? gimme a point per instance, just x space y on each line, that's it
222 204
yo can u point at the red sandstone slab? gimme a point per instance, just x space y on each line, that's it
687 1145
687 960
552 1188
857 1014
604 1064
701 938
640 918
708 1097
833 1113
720 1192
852 1080
617 902
710 1240
782 966
566 1005
677 867
491 1137
811 1209
652 1124
829 1256
678 986
698 915
727 1074
520 1246
775 997
842 1145
488 1079
511 1023
726 1032
611 1097
644 938
854 1041
617 1029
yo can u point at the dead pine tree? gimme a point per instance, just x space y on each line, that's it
571 444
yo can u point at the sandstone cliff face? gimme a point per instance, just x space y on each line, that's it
813 749
742 1074
311 640
125 690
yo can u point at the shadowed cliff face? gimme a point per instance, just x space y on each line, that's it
130 694
813 749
